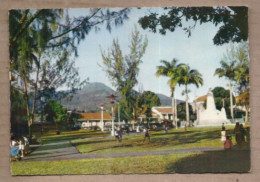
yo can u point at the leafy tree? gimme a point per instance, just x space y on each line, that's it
233 21
41 43
146 101
55 113
241 55
220 95
123 71
244 99
171 70
189 76
181 108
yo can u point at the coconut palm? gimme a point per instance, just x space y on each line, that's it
171 70
189 76
227 70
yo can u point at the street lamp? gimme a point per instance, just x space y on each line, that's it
102 118
112 98
118 114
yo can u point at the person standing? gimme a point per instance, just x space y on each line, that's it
21 146
228 143
243 132
237 132
146 135
223 133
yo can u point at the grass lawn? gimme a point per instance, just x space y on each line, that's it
209 162
70 135
174 139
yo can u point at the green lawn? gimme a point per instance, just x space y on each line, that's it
205 162
174 139
70 135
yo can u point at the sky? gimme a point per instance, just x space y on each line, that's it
198 51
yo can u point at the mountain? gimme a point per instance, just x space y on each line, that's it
167 101
90 97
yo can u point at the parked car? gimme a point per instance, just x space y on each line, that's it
75 127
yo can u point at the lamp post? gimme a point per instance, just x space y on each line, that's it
118 114
102 117
112 98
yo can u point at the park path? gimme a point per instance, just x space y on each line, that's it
65 151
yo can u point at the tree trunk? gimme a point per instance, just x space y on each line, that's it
187 106
231 100
246 117
175 109
26 98
34 95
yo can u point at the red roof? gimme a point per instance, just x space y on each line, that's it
201 99
94 116
165 110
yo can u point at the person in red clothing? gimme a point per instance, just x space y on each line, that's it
228 143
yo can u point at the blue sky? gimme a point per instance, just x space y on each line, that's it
198 51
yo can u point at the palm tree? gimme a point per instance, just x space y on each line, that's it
227 70
189 76
171 70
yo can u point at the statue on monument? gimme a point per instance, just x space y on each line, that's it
210 116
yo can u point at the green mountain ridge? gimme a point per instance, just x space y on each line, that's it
89 98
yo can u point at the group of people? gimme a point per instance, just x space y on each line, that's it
240 134
19 147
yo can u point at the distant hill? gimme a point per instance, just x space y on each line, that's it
89 98
92 95
167 101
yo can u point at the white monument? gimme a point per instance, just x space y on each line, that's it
211 116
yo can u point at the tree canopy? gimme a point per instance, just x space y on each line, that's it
55 112
146 101
124 69
42 43
232 21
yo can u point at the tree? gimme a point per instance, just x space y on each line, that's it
146 101
244 99
41 44
241 55
123 71
189 76
227 69
182 112
56 113
233 21
220 95
171 70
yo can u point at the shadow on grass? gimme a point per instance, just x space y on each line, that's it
39 154
75 144
51 147
71 135
226 161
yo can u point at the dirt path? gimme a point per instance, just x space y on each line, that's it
65 151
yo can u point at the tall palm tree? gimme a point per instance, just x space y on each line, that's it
227 70
189 76
171 70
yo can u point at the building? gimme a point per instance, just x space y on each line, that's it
94 119
162 113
